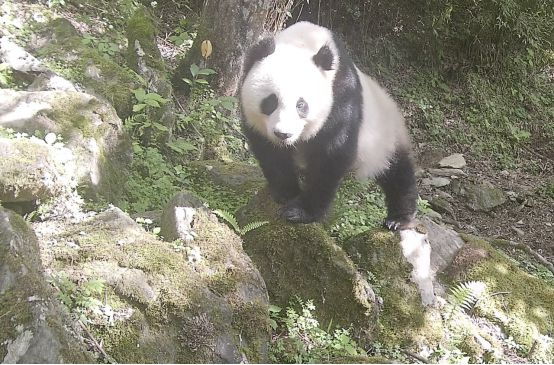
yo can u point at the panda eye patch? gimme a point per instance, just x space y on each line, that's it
302 108
269 104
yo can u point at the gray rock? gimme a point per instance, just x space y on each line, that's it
210 310
17 58
447 172
33 330
455 161
178 217
99 149
436 181
483 196
441 205
445 244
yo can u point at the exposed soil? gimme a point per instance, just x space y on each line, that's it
527 217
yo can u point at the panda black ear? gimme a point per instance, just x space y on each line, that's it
257 52
324 58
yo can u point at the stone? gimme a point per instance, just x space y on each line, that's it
483 196
37 330
178 217
436 181
302 260
455 161
446 172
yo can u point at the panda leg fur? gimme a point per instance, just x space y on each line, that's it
277 166
399 185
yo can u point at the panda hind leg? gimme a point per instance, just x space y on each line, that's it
399 185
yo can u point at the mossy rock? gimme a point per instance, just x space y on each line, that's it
212 309
303 261
141 28
225 185
61 47
403 320
33 328
523 306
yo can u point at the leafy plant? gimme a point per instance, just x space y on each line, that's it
299 339
198 76
464 296
5 75
80 299
104 45
145 100
232 221
153 180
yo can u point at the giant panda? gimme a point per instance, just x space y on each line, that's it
309 111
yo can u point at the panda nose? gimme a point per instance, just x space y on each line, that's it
282 135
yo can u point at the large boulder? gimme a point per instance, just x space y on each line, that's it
33 327
96 145
304 261
199 301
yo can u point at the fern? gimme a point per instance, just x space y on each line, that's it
464 296
232 221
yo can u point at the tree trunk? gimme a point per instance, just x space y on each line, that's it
231 26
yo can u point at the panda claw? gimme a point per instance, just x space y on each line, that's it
394 225
294 213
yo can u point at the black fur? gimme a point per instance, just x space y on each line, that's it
399 185
259 51
324 58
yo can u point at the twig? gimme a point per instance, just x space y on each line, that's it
529 250
96 344
532 350
500 293
5 314
415 356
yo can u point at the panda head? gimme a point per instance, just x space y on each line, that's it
287 93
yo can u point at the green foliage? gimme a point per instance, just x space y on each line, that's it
56 3
299 339
358 208
153 180
5 75
148 225
79 298
145 100
104 45
464 296
232 221
184 34
198 79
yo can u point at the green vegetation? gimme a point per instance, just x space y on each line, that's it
82 298
299 339
232 221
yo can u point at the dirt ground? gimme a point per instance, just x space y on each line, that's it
527 217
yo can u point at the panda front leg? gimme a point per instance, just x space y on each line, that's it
399 185
322 179
277 166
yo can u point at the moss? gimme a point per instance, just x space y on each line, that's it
525 309
223 185
68 56
141 28
302 260
403 319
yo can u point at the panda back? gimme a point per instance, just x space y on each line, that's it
382 131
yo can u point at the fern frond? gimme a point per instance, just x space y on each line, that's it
252 225
465 295
229 218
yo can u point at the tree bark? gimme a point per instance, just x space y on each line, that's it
231 26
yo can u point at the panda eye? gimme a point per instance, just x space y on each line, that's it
302 108
269 104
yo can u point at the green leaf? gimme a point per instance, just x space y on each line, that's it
139 94
206 71
194 70
138 107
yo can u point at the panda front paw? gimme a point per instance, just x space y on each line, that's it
399 224
295 213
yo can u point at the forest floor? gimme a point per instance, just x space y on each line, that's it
527 219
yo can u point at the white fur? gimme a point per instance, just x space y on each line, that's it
381 132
